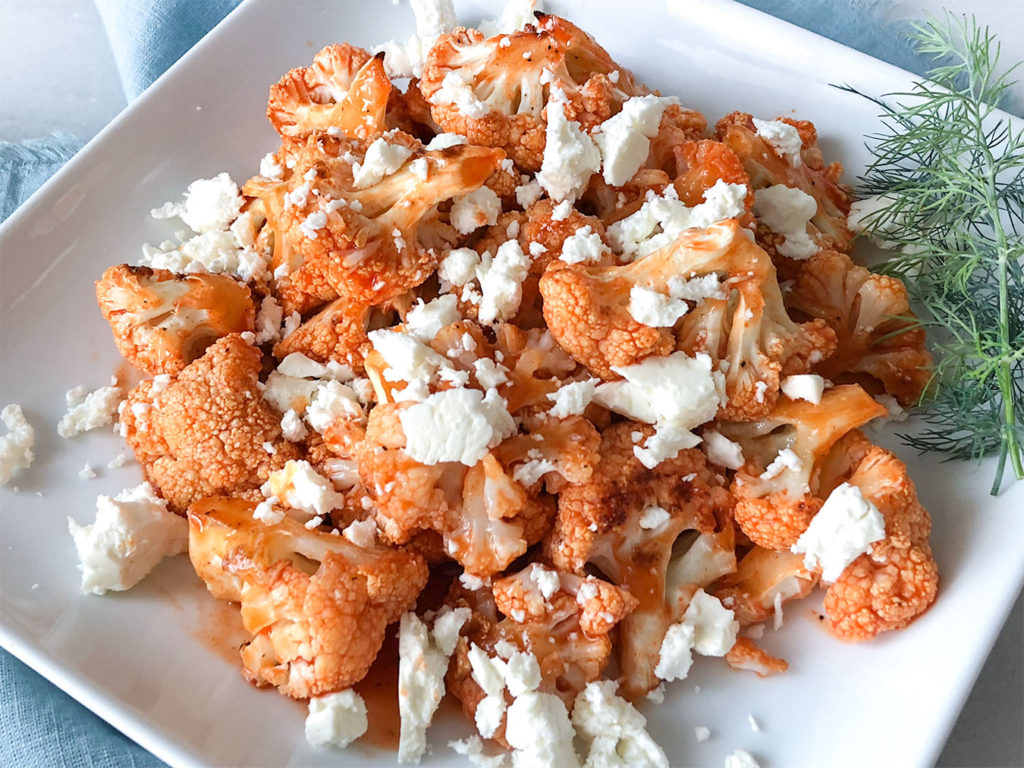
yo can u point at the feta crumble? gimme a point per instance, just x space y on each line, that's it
479 208
583 247
714 626
570 156
292 427
653 517
300 487
514 16
456 91
312 224
16 445
654 309
89 410
529 193
472 748
675 657
615 732
501 282
209 205
537 726
87 472
625 139
270 168
844 528
381 159
573 398
456 425
804 386
702 734
741 759
786 211
133 531
267 513
786 459
336 720
721 450
782 137
459 267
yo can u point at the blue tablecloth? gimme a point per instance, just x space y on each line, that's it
40 725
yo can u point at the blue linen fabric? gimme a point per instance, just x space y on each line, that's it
39 724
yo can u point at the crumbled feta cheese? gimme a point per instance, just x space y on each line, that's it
522 673
529 472
625 139
433 17
459 266
420 168
514 16
362 533
529 193
447 625
754 725
270 168
381 159
421 670
701 733
570 156
561 211
268 321
16 445
501 282
471 582
714 626
675 393
786 211
267 513
538 728
292 427
844 528
786 459
696 288
332 403
336 720
407 357
546 580
89 410
87 472
662 219
133 532
472 748
118 461
584 246
489 374
488 671
300 487
404 59
648 307
479 208
782 137
615 731
456 425
804 386
675 658
210 205
312 223
653 517
445 140
488 715
289 393
573 398
456 91
722 451
741 759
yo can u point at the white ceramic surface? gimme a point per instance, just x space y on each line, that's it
141 659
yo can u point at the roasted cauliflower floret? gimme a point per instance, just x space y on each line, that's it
563 620
764 580
317 605
897 578
494 90
608 523
777 491
738 318
766 167
361 223
337 332
162 321
204 433
879 338
746 656
344 89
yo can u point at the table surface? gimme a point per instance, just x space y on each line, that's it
58 74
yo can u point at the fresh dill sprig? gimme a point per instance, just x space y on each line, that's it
948 170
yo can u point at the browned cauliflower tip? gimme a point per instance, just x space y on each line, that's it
162 321
205 432
316 604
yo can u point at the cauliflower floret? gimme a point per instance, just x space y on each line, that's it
204 432
162 321
878 336
764 580
494 90
343 91
557 450
559 621
777 491
767 167
745 655
587 310
316 605
601 522
374 241
337 332
897 579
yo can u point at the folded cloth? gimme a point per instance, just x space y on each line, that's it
25 165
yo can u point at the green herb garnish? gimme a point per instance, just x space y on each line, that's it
950 170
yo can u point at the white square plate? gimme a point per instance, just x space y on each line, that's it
143 659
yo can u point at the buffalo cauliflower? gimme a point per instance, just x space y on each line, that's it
162 321
316 605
